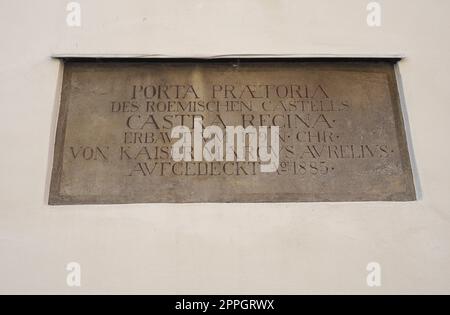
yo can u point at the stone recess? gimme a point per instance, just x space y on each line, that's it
341 138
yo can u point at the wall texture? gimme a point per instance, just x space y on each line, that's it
220 248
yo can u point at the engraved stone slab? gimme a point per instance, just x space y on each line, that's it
341 132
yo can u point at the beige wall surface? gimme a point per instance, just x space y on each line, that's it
221 248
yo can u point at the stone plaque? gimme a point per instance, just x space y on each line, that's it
162 131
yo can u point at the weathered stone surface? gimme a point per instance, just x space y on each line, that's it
341 131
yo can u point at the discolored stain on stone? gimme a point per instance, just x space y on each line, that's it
341 134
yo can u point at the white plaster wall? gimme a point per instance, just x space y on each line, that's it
220 248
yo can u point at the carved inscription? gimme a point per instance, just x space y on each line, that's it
341 135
